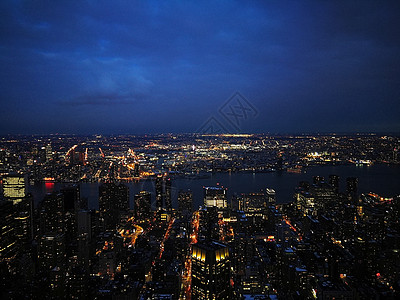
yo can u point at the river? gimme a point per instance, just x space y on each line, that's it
381 179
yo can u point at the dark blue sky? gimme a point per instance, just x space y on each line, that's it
168 66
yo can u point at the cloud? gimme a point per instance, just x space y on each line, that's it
294 58
101 99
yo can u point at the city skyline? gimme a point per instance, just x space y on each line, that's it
205 216
153 67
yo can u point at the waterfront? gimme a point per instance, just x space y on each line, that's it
379 178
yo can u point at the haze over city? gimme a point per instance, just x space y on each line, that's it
151 66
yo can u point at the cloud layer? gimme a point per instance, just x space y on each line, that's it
167 66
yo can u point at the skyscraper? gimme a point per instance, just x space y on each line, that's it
14 187
49 152
8 239
185 199
271 200
51 251
334 181
167 193
210 271
72 201
352 187
52 213
143 205
215 196
24 220
163 192
113 199
159 192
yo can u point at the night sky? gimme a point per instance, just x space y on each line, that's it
169 66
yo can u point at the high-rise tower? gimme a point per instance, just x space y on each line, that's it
210 271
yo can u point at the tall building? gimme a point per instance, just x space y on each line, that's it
163 192
318 179
52 213
352 187
24 220
167 193
51 251
113 199
159 192
334 181
185 199
210 271
143 205
215 196
15 191
136 170
14 187
8 238
254 205
49 152
72 199
251 201
271 200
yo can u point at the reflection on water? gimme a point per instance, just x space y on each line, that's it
381 179
49 186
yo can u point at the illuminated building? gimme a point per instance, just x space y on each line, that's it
77 283
52 213
215 196
8 239
318 179
167 193
334 181
23 220
136 171
49 152
252 202
14 190
305 202
163 192
159 192
270 196
113 199
185 199
51 251
324 194
14 187
352 187
143 205
210 271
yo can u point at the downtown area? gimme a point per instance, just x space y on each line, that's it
143 217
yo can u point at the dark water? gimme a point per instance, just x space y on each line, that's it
381 179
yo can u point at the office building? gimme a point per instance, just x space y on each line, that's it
185 199
210 271
352 187
334 181
52 214
24 220
14 187
215 196
8 238
51 251
159 192
113 199
72 200
143 205
167 193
